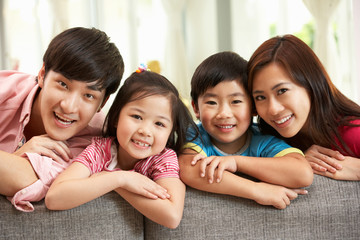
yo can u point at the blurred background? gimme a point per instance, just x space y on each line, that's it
174 36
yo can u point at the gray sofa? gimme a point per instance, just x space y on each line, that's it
331 210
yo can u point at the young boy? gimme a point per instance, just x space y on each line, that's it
230 143
49 119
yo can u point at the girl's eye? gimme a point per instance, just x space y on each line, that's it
259 98
160 124
136 116
236 101
281 91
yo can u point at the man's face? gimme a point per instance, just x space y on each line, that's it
66 106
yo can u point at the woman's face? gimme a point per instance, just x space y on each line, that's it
279 101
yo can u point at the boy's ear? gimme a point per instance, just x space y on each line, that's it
41 76
196 109
103 103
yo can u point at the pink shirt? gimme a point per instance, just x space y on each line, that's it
17 93
101 154
351 136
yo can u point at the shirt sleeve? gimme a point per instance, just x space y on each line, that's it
165 166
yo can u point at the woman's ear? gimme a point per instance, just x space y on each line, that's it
41 76
196 109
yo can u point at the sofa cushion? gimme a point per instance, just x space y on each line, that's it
107 217
331 210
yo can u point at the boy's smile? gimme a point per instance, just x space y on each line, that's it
225 113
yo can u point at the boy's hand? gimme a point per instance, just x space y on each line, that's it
139 184
277 196
214 166
46 146
324 159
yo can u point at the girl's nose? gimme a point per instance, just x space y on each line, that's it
144 131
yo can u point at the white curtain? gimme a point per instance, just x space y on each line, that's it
175 67
324 42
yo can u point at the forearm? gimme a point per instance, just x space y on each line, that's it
16 173
291 170
167 212
70 193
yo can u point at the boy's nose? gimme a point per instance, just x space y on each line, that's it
225 112
70 103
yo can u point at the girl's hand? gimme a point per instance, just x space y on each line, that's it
139 184
350 170
46 146
277 196
214 166
323 159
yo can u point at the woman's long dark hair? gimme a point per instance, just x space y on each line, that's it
329 110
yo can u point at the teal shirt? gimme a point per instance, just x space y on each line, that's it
257 145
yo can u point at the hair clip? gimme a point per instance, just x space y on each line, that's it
142 68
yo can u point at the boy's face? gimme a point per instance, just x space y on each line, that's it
225 112
66 106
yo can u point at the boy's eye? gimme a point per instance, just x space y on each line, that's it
236 101
211 102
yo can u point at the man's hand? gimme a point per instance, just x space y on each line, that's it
45 146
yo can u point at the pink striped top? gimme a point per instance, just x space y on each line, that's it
101 153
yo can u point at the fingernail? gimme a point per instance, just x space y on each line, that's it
202 175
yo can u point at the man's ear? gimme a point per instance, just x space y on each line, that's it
103 103
41 76
196 109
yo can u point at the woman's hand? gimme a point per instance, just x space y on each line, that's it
324 159
350 170
46 146
214 166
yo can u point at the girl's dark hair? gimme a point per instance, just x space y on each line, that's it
86 54
329 110
222 66
147 84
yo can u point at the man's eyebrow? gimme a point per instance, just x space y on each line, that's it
94 87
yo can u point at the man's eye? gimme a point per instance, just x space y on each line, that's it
62 84
89 96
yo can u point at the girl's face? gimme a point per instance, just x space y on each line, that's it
225 112
144 127
279 101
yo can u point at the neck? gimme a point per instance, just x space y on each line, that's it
35 126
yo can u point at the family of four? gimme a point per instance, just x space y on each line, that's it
56 144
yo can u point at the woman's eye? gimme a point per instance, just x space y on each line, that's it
259 98
281 91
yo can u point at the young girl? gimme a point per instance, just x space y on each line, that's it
295 99
145 127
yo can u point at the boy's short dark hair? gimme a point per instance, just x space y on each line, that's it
86 54
222 66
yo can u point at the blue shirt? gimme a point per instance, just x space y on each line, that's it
257 145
